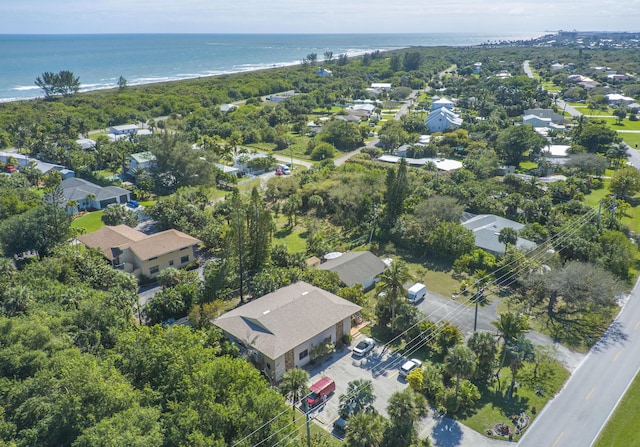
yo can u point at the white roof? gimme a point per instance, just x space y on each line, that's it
618 97
557 150
443 164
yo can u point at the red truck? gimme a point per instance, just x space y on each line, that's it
320 391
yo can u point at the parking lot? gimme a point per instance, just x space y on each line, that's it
379 367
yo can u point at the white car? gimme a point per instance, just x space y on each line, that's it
364 347
409 366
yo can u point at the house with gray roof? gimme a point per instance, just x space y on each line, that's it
280 329
486 230
91 196
356 267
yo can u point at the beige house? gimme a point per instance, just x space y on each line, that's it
282 328
141 254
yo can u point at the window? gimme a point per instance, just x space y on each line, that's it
184 259
153 259
171 262
303 354
153 270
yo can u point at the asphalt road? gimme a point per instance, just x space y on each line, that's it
578 413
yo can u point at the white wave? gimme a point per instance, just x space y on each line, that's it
24 88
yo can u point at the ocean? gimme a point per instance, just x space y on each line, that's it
99 60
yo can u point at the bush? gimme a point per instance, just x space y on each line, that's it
323 151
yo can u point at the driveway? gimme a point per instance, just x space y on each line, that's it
381 367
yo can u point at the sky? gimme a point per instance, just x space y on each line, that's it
315 16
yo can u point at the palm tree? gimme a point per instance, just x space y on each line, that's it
484 345
460 362
404 409
358 398
520 351
365 430
294 386
510 326
392 285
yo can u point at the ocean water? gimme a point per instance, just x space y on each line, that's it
99 60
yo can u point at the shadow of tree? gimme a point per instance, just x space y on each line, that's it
613 335
446 433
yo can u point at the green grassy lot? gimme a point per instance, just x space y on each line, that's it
495 407
622 428
294 238
632 139
626 124
319 436
90 222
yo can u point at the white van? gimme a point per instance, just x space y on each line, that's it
285 169
417 292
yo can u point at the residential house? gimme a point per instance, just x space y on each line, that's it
225 108
437 102
477 67
45 168
140 161
442 119
124 129
324 72
91 196
441 164
141 254
617 99
86 143
243 163
356 267
281 329
486 230
555 118
280 97
381 85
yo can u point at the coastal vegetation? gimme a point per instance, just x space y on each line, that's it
85 363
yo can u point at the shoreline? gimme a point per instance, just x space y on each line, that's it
150 78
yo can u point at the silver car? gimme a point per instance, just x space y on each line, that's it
363 347
409 366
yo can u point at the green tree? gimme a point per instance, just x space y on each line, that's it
625 182
485 346
450 240
117 214
519 351
391 286
260 226
460 363
405 408
294 386
62 83
137 426
508 236
365 430
358 398
514 141
396 193
620 113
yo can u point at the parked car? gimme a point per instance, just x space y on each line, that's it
285 169
409 366
320 391
133 204
340 427
364 347
11 169
278 171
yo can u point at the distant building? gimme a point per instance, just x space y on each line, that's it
91 196
324 72
477 67
141 254
486 231
86 143
442 119
356 267
225 108
437 103
125 129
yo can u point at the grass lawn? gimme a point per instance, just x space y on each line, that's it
625 125
632 139
89 221
317 433
294 238
494 407
622 428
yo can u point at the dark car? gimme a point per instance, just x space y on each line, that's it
340 427
133 204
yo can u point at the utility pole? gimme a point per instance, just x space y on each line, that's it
373 225
305 407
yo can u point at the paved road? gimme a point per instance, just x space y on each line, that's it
527 69
578 413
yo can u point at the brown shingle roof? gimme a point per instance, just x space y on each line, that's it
107 238
162 243
113 240
286 318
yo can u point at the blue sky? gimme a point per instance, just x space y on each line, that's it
315 16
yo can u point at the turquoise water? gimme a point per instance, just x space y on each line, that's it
99 60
